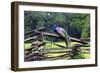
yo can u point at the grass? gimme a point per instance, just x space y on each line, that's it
87 56
51 47
27 45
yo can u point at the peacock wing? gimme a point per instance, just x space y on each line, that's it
61 31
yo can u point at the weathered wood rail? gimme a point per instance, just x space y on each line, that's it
53 35
36 53
67 53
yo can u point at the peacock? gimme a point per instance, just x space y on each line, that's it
62 33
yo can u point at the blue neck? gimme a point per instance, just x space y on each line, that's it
53 28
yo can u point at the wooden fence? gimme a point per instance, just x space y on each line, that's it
38 52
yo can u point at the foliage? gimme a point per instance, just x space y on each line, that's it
77 24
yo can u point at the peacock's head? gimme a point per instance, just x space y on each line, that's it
53 27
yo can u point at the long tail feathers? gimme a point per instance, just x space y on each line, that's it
67 41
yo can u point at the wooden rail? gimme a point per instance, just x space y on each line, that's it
36 53
53 35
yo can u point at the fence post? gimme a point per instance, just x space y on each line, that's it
75 52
